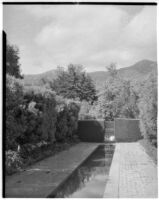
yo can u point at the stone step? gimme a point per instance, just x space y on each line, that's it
109 134
109 124
109 129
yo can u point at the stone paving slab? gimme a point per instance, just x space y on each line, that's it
132 174
40 179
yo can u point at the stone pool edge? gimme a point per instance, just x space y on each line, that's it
40 184
67 177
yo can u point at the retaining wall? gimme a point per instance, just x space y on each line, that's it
127 130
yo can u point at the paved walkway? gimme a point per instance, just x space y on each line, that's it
132 174
41 179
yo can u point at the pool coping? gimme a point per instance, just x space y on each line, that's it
69 175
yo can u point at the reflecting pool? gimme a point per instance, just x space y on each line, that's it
90 178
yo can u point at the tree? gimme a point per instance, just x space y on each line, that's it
112 71
74 83
12 61
129 100
119 99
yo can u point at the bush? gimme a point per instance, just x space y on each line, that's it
61 126
72 118
13 161
88 110
67 118
36 114
40 115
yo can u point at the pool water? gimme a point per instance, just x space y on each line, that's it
90 178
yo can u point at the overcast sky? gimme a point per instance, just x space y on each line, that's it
93 36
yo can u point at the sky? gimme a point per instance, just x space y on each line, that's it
90 35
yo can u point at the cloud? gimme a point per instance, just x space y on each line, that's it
93 36
82 34
141 31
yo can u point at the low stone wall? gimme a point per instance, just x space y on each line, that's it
91 130
127 130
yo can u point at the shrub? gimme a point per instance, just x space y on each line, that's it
41 116
72 118
67 118
88 110
61 126
13 161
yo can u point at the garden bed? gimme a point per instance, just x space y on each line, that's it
30 154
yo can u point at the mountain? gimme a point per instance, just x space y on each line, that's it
138 71
37 79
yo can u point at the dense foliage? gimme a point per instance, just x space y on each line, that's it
12 61
148 108
67 118
35 115
126 99
74 83
117 99
14 101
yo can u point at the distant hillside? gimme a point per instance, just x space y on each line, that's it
137 71
37 79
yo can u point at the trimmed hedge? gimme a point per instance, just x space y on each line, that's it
91 130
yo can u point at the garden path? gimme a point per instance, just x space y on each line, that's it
132 174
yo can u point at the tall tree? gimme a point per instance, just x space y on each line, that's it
12 61
74 83
119 99
112 71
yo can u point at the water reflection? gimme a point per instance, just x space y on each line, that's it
89 179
